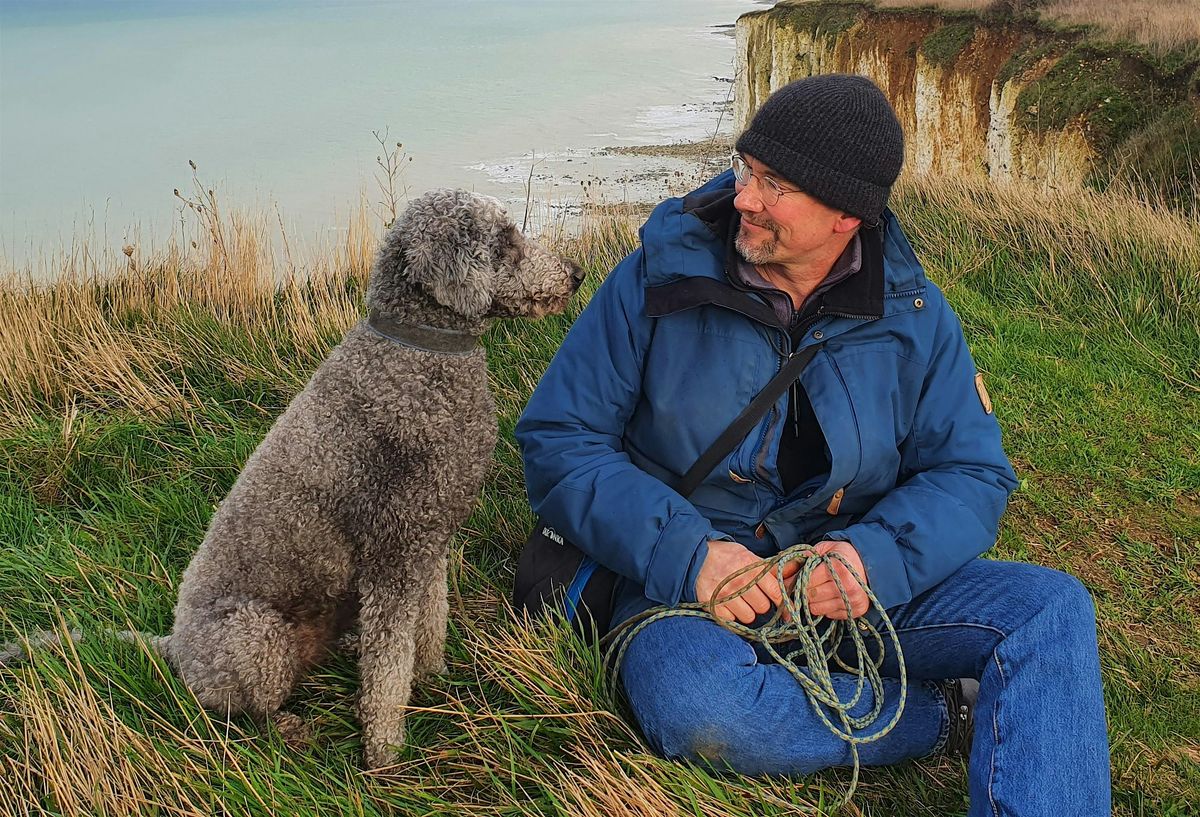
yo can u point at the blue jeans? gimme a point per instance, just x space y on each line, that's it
1027 633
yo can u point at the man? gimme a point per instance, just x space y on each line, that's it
885 451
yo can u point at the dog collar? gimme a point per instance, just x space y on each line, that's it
425 338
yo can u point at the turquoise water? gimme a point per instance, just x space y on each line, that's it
102 104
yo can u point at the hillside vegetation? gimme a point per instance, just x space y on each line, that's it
1011 90
1163 25
132 391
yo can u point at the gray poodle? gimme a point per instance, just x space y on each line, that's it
345 511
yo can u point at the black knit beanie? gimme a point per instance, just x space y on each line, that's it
835 136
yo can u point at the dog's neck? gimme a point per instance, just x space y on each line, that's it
415 308
418 321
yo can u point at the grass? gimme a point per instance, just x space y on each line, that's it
944 45
1161 25
820 19
132 391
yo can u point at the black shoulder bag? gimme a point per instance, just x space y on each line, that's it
552 573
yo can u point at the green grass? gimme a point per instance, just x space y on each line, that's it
1088 331
1109 90
827 20
943 45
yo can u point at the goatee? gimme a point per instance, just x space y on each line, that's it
762 252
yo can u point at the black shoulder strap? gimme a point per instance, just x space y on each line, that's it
745 421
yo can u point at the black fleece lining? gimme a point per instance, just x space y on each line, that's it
861 294
687 293
714 208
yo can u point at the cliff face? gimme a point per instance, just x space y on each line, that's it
1000 97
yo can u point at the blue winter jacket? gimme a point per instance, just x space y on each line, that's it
669 351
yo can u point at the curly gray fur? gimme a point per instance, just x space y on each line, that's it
345 511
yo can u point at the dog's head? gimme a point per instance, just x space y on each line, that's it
463 251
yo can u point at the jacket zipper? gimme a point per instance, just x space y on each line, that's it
785 352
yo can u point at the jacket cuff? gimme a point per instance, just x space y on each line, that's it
688 593
886 574
672 558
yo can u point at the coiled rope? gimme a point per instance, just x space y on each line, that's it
809 663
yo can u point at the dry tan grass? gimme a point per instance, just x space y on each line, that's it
1099 232
77 752
100 332
1164 24
1109 250
1160 23
110 335
953 5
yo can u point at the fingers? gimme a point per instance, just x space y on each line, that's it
768 585
749 592
827 600
735 610
753 598
836 609
791 573
825 597
825 592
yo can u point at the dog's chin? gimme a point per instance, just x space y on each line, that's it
534 308
554 308
531 310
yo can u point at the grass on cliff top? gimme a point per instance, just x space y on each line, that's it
1160 25
129 403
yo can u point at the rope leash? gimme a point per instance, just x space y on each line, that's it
809 662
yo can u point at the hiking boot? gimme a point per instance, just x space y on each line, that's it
960 695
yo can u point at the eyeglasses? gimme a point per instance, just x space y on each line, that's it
768 188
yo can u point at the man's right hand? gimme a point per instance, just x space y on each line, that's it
725 558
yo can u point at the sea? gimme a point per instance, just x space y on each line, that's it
288 107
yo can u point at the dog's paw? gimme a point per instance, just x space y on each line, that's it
296 734
379 754
438 670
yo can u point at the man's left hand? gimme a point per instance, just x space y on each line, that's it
824 598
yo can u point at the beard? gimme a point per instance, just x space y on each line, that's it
761 251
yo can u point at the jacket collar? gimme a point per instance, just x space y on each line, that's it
860 295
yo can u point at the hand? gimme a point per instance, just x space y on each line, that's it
726 558
824 598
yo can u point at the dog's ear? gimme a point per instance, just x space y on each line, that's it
447 239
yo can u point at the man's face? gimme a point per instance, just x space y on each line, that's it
792 231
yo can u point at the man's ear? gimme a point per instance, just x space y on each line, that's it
846 223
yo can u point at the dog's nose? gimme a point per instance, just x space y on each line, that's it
577 272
